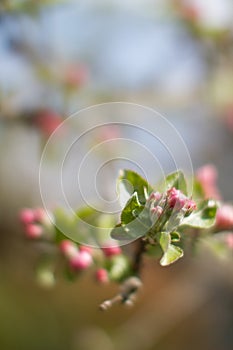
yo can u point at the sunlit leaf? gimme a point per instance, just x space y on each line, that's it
131 210
133 182
176 180
204 217
172 254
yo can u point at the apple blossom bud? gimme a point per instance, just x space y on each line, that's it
111 251
156 196
42 217
81 260
176 199
155 213
224 217
190 205
33 231
101 276
85 248
207 176
68 248
26 216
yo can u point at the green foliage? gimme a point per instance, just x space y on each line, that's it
131 209
204 218
134 229
175 237
171 252
162 234
176 180
133 182
136 221
87 225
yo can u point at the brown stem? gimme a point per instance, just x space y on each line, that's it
127 295
140 249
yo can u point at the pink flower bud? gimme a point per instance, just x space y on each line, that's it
81 261
224 217
190 205
33 231
207 176
85 248
26 216
101 276
68 248
40 215
157 210
111 251
229 240
156 196
176 199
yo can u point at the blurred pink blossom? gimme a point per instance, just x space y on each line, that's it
207 176
81 260
111 250
47 121
101 276
224 217
76 75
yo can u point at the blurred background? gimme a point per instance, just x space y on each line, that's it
58 57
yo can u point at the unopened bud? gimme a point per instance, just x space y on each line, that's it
26 216
102 276
33 231
68 248
81 261
111 251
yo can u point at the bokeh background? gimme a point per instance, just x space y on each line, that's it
58 57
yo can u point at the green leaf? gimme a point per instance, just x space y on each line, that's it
123 192
129 181
165 240
133 230
119 233
204 217
175 237
198 192
136 228
176 180
131 210
172 254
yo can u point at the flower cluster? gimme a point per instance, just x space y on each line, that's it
80 258
172 203
108 261
35 222
155 222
